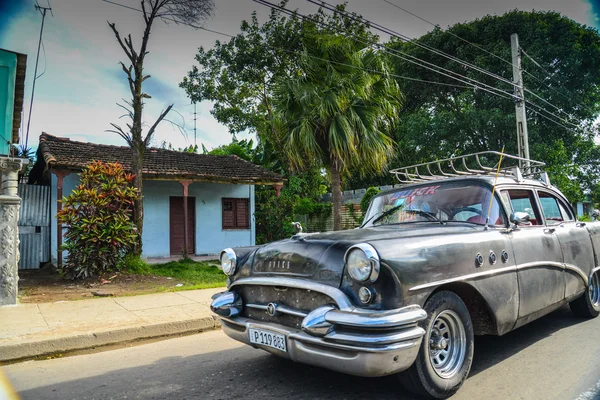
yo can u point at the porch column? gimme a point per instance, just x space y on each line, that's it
9 231
278 187
60 174
185 185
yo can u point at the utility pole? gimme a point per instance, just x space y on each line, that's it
522 138
43 10
195 125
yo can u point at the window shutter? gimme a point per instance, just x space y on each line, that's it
236 213
242 213
228 214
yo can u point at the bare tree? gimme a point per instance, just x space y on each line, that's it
186 12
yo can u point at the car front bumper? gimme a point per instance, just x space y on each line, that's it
355 341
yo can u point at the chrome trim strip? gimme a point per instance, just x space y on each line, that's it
337 295
378 339
580 272
306 338
534 264
377 319
465 277
280 309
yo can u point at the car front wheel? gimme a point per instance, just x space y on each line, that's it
446 353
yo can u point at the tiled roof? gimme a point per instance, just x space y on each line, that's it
63 153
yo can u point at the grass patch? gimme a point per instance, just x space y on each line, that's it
193 274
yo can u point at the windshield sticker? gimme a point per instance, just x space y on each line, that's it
424 191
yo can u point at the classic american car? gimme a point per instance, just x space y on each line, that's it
463 250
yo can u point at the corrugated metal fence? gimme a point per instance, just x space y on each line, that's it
34 226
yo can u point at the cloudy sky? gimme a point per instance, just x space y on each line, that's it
81 79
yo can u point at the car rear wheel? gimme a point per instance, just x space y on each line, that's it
446 353
588 305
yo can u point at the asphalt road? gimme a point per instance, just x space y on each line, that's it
556 357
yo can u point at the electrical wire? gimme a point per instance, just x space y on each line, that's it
416 42
500 58
451 33
495 91
311 56
397 53
408 39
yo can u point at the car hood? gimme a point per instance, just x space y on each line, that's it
320 257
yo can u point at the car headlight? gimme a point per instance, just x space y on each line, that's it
362 262
228 261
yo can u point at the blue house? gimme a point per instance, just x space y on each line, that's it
218 190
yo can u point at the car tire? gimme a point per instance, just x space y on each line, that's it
446 354
588 305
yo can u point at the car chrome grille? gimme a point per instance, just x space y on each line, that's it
296 301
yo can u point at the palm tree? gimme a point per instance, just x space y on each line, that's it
339 111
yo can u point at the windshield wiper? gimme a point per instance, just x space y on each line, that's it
383 214
394 209
425 214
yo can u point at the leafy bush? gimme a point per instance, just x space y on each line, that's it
366 200
98 218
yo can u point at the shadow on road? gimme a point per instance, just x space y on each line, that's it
246 373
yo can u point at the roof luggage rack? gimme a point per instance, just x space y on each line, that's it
482 163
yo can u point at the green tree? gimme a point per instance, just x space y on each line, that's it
188 12
338 110
98 216
238 76
440 121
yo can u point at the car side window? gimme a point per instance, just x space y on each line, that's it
554 211
524 201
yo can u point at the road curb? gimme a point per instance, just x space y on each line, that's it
30 349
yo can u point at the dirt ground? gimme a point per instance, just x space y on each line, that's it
45 285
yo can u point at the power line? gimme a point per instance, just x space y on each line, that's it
397 53
447 31
551 77
498 57
497 91
393 33
308 55
439 52
168 19
406 38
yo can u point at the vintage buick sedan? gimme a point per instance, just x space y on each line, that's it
473 251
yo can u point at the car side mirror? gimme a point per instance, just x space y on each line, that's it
519 218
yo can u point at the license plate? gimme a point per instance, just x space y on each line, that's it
267 338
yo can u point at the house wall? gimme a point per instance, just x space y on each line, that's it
210 237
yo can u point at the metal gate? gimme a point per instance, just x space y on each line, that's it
34 226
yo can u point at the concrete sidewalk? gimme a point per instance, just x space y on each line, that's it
31 330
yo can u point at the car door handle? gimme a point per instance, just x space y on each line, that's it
549 230
580 224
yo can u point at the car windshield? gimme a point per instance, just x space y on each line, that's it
438 203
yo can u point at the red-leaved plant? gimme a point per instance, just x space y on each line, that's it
98 220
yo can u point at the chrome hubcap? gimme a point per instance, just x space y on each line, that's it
594 290
447 344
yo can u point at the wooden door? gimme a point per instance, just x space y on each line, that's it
176 221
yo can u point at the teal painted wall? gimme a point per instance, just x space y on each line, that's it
8 73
